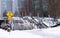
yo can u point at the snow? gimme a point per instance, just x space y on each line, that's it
58 20
35 33
16 18
17 34
1 18
28 17
46 20
49 21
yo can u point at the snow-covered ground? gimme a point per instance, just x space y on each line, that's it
27 22
35 33
49 21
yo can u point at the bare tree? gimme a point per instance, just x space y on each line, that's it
52 5
41 8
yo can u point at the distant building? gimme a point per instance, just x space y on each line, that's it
6 5
3 7
10 5
14 5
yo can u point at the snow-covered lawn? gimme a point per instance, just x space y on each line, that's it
35 33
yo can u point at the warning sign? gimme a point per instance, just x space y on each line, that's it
9 14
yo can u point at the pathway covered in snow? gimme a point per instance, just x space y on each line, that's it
35 33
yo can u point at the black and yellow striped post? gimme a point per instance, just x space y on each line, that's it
9 18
